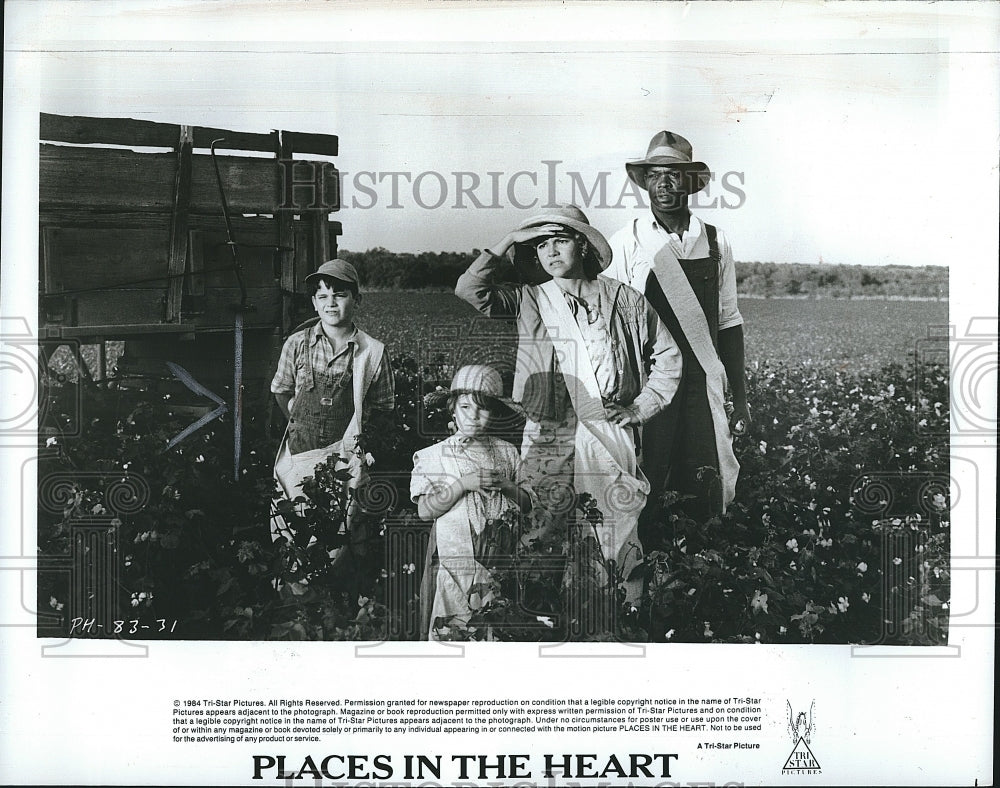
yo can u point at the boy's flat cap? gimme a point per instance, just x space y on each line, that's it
336 269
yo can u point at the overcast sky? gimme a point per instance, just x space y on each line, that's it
838 135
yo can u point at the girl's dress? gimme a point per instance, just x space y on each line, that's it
452 567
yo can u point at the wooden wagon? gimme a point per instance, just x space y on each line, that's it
134 243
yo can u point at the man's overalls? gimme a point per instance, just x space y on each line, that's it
681 439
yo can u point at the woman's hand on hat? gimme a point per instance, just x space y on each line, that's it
525 235
621 416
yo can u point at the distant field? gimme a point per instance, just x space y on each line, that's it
862 334
381 269
865 334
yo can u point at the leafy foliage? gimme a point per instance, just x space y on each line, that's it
841 517
840 531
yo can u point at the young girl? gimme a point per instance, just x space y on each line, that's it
461 483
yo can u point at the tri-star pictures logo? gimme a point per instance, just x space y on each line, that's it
801 729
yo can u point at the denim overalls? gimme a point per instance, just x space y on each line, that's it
323 406
684 432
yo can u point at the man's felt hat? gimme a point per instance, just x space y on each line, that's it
667 149
336 269
475 379
571 216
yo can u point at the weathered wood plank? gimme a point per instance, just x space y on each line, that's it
253 225
100 313
251 185
233 140
308 185
304 257
208 250
81 258
257 256
109 307
109 179
255 185
111 131
334 231
220 303
177 256
320 238
63 217
84 130
111 331
104 179
196 281
248 229
315 144
286 238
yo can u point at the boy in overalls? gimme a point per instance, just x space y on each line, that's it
330 376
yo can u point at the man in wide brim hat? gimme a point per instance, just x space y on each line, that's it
685 268
667 149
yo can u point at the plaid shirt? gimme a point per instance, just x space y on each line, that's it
380 394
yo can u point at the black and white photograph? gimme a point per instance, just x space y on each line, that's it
525 393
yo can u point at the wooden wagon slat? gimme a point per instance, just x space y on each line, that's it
108 179
204 136
286 237
315 144
68 218
212 264
104 179
86 258
177 258
82 130
116 220
117 331
130 307
252 185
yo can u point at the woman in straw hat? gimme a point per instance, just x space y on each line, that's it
593 363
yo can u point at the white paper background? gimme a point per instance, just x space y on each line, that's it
867 134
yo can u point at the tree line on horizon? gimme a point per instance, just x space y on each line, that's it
382 269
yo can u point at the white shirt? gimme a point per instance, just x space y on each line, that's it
631 262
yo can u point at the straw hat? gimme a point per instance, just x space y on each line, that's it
572 217
667 149
474 379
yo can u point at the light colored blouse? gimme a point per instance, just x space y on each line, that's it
590 317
